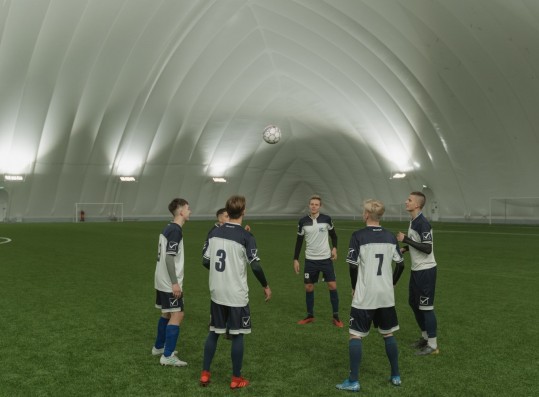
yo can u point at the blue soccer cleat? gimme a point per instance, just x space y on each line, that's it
348 386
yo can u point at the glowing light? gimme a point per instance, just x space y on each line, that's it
14 178
398 175
218 179
128 179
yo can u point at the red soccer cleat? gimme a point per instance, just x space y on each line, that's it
205 378
238 382
306 320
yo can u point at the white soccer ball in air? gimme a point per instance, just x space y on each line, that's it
271 134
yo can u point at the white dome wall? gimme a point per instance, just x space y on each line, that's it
177 92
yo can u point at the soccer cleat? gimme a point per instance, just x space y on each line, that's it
348 386
205 378
159 352
419 344
306 320
238 382
427 351
395 380
337 323
172 360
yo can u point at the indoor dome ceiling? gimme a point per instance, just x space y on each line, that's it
175 92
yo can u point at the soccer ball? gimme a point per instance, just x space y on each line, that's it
271 134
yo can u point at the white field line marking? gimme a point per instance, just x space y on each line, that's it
4 240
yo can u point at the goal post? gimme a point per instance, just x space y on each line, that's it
99 212
523 210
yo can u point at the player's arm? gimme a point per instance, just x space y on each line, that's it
297 251
333 236
397 272
353 275
206 262
261 277
171 270
423 247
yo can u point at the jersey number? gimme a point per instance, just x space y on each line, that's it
380 262
221 263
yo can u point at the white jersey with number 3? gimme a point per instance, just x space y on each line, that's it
230 248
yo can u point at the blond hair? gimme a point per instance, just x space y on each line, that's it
375 209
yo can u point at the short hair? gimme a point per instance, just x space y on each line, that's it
421 198
176 204
235 206
315 197
220 211
375 209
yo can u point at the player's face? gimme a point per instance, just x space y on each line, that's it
185 212
411 203
222 218
314 206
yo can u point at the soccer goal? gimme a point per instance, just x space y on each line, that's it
99 212
514 210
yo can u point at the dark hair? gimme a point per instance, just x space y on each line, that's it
422 198
175 204
220 211
315 197
235 206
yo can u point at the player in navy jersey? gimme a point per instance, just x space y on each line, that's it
168 282
423 275
370 255
229 250
319 257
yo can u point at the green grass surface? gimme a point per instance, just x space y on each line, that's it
78 317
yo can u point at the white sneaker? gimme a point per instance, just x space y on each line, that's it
172 360
159 352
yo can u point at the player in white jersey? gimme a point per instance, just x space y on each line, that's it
228 251
314 229
423 275
168 283
370 255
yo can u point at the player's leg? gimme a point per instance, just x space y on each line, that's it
310 278
240 324
331 279
427 284
218 323
174 309
414 294
385 319
159 345
360 323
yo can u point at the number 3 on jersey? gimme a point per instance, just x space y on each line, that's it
221 263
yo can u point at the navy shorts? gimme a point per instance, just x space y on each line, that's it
167 303
313 268
421 289
236 319
385 319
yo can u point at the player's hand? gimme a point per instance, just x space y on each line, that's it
400 236
334 254
296 266
267 293
248 228
176 291
403 250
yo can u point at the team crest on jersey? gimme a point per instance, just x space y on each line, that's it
254 252
172 245
351 253
246 321
427 236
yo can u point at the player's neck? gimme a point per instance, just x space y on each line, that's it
373 223
236 221
415 213
179 221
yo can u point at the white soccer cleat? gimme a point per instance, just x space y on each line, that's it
172 360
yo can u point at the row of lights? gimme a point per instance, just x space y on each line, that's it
20 178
